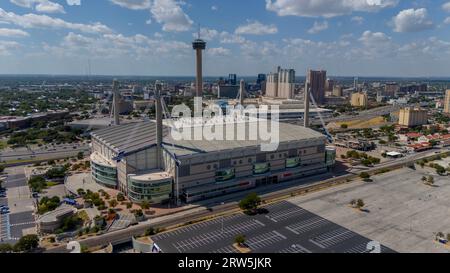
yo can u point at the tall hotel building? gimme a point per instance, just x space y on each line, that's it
447 102
317 81
281 84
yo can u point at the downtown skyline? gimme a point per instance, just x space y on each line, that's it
153 37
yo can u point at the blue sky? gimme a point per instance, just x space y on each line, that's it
247 37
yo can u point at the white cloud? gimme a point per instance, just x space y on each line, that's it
447 21
133 4
326 8
318 27
446 7
218 51
171 16
31 20
230 38
357 19
206 34
256 28
412 20
9 32
215 8
110 46
166 12
7 46
74 2
44 6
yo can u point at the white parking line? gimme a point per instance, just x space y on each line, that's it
307 225
217 235
286 214
333 237
295 249
265 240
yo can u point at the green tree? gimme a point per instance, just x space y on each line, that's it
80 155
120 197
240 240
113 203
145 205
6 248
2 168
364 175
360 204
27 243
250 203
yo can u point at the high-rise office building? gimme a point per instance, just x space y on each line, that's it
281 84
447 102
261 78
232 79
316 82
329 85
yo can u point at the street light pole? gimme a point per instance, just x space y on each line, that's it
223 203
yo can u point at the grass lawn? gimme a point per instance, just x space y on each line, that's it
51 184
3 144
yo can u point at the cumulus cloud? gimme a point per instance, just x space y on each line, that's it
166 12
218 51
412 20
256 28
6 47
9 32
31 20
44 6
171 16
116 45
326 8
357 19
74 2
206 34
133 4
446 7
318 27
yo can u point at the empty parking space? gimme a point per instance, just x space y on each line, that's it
308 225
285 228
20 220
296 248
333 237
203 239
265 240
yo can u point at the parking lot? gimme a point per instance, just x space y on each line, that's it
20 220
401 211
285 228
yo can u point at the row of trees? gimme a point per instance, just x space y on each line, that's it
26 244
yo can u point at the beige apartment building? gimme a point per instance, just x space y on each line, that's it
447 102
281 84
411 117
359 99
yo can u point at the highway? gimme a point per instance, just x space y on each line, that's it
43 153
122 236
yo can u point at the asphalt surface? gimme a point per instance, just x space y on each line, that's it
13 224
65 150
123 236
284 228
